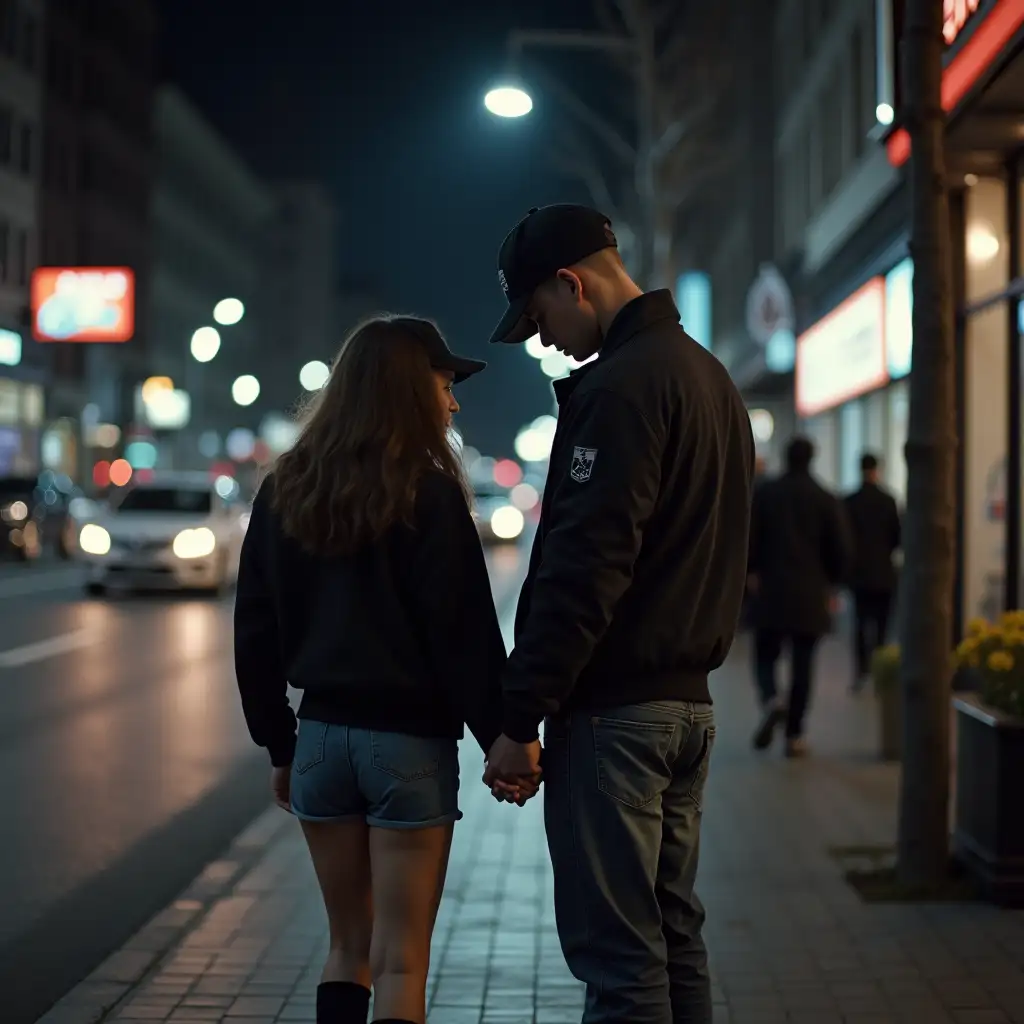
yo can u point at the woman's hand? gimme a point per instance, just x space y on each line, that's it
281 787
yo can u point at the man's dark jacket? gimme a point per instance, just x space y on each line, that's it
874 519
799 551
637 571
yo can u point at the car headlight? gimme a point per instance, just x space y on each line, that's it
196 543
94 540
507 522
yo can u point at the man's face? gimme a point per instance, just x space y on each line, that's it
565 319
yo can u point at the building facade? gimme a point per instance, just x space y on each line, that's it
300 295
23 368
210 215
843 207
99 75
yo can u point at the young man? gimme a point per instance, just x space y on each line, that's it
799 553
875 523
633 595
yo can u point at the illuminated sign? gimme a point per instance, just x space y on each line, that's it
10 347
956 14
693 297
83 304
991 33
843 355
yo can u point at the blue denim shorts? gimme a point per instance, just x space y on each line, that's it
388 779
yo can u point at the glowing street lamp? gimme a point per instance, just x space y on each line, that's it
228 312
245 390
508 101
313 376
205 344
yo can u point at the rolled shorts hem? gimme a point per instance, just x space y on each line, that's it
443 819
302 816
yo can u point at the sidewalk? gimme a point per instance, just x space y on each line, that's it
789 941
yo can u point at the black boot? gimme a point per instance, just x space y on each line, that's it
341 1002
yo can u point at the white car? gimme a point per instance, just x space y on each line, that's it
177 531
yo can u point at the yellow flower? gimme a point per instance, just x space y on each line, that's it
977 627
1000 661
1014 637
967 647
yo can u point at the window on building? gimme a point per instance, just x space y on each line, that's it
26 144
22 259
6 135
5 245
9 27
29 41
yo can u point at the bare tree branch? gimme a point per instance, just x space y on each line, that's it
674 134
611 137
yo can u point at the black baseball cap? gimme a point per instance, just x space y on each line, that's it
441 356
547 239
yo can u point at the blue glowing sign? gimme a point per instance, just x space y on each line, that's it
899 318
693 297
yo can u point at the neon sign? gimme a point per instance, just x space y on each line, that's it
956 14
83 304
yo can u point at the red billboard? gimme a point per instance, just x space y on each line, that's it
83 304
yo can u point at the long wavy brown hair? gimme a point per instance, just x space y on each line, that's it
367 438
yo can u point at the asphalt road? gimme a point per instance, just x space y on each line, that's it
126 766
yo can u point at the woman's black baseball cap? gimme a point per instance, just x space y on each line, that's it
441 356
545 241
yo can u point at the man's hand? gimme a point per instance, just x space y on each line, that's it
513 771
281 787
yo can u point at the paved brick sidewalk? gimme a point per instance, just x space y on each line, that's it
789 941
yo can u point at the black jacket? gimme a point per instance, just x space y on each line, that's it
874 519
637 570
400 637
799 551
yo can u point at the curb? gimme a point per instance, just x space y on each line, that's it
95 998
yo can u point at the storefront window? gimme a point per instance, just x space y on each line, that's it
851 445
985 354
822 431
876 417
898 398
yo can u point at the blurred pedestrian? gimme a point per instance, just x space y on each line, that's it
799 553
363 584
632 598
874 519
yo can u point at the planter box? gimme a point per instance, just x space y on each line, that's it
890 721
988 838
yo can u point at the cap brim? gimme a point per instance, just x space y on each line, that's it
514 328
463 368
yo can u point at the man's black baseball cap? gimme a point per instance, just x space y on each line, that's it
441 356
547 239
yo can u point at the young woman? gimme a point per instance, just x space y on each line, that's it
363 584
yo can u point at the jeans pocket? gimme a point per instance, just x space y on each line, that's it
632 758
700 769
406 758
310 745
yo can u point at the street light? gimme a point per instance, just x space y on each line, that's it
313 376
228 311
205 344
245 390
508 101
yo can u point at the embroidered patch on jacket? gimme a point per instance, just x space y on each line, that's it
582 464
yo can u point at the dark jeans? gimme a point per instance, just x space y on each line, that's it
622 805
768 645
871 625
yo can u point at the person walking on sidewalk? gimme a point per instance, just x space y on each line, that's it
799 553
362 583
632 598
874 519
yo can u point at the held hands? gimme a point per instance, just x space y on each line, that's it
512 770
281 786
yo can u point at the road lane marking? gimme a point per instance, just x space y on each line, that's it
42 649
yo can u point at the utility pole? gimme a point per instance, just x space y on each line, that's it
929 533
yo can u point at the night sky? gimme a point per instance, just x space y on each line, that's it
381 102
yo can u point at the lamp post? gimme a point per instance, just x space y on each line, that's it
651 183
